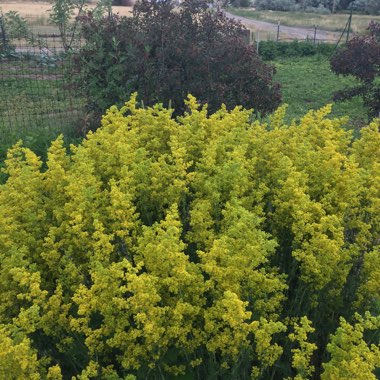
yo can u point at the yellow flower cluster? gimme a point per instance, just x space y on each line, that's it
207 246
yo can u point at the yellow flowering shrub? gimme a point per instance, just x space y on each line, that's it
351 356
18 360
302 355
207 246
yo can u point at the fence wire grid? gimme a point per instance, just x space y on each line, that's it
36 89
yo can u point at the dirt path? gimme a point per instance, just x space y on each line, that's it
286 32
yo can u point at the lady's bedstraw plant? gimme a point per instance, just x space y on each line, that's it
203 246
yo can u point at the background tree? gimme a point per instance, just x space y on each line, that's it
367 6
361 58
64 15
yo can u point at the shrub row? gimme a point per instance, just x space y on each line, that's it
269 50
319 6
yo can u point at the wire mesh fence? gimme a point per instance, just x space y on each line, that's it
36 92
310 35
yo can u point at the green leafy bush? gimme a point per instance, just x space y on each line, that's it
13 26
275 5
315 6
241 3
164 54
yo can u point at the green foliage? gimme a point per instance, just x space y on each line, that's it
270 50
308 83
65 15
276 5
165 53
13 26
241 3
367 6
318 6
208 246
361 58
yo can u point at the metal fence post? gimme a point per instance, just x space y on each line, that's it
258 42
349 26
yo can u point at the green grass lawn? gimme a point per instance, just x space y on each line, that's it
332 22
308 83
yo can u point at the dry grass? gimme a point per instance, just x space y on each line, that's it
30 9
333 22
37 13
